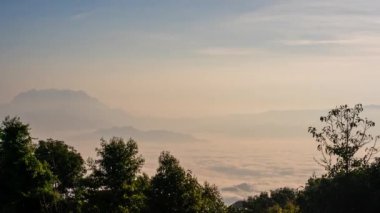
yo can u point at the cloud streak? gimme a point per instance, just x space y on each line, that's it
224 51
354 40
82 15
296 24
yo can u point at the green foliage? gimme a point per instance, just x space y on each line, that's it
259 203
339 141
356 191
26 184
49 178
283 196
211 200
352 183
114 185
119 163
175 190
283 200
64 161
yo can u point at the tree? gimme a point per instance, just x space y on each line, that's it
347 147
356 191
114 181
284 197
64 161
259 203
175 190
211 200
279 200
26 184
119 162
345 133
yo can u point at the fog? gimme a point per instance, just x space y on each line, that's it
243 154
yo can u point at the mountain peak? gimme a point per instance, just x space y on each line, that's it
58 95
68 109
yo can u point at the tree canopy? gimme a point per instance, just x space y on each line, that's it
64 161
119 162
353 173
115 186
26 184
279 200
51 177
176 190
345 133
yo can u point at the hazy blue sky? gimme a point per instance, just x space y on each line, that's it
194 57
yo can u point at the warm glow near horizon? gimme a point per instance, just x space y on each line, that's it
182 59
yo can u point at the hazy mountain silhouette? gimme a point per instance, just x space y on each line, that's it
271 124
62 110
53 110
66 111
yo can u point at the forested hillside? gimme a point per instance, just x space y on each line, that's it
52 177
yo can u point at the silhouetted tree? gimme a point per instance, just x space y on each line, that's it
347 147
175 190
211 200
64 161
284 197
49 177
340 140
352 183
26 184
355 191
68 167
279 200
114 182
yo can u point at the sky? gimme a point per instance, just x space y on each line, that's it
182 58
185 61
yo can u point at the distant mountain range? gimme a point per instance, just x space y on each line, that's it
53 112
62 110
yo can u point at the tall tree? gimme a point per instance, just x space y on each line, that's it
347 148
64 161
119 162
115 182
341 138
26 184
211 200
175 190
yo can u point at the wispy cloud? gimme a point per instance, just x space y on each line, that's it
238 192
364 40
309 42
298 23
239 189
223 51
82 15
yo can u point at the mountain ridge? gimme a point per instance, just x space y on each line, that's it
76 111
